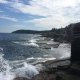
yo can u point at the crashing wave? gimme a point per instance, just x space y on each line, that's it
27 71
31 42
5 73
63 50
8 73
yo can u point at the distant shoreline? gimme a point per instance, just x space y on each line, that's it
59 35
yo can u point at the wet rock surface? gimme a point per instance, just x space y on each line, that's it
64 72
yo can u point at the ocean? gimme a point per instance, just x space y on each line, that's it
19 53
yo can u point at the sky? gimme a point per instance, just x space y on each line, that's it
38 14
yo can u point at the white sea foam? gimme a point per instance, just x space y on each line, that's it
31 42
34 44
40 67
63 50
27 71
8 73
5 73
30 58
40 60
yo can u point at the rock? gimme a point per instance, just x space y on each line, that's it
48 46
21 78
75 45
45 76
57 62
76 28
60 76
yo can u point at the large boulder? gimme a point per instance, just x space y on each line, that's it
75 45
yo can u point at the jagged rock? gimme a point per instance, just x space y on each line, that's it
76 28
21 78
45 76
60 76
75 45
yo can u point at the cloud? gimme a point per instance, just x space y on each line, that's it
3 1
8 18
7 1
53 22
50 22
45 7
57 13
31 9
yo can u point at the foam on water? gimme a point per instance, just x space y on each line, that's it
39 60
31 42
63 50
31 60
34 44
20 68
8 73
5 73
27 71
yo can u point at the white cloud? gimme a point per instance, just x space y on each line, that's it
6 1
31 9
57 13
8 18
50 22
45 7
54 22
3 1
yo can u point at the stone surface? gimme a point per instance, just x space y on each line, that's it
75 45
21 78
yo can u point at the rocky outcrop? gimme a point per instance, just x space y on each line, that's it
20 78
60 72
68 72
75 46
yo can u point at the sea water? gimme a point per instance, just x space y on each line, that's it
18 53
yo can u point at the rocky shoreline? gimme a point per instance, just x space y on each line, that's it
60 70
65 69
50 68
